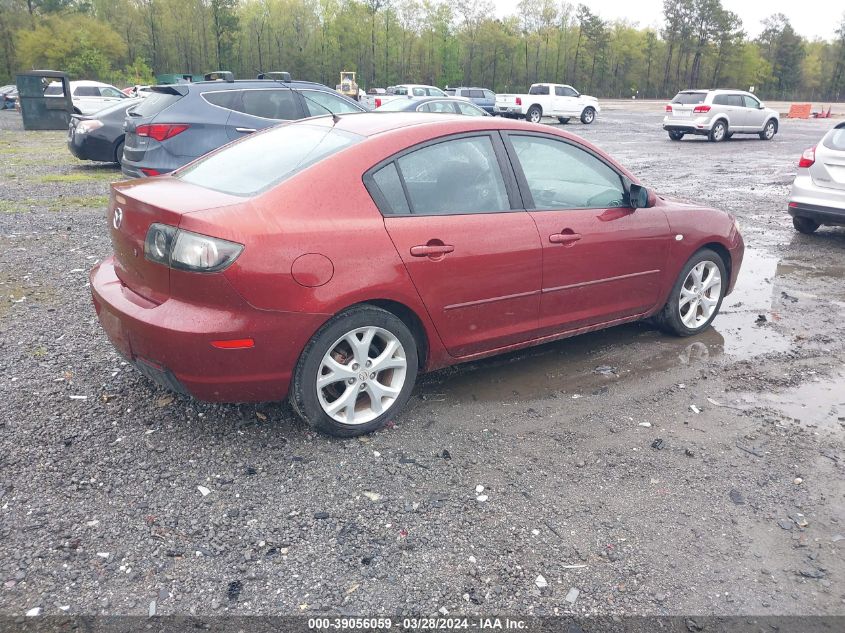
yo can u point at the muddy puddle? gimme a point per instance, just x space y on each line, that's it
819 403
587 364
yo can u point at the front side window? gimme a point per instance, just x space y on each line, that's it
262 160
112 93
434 92
736 101
319 103
419 92
270 104
489 94
563 176
440 107
468 109
751 102
454 177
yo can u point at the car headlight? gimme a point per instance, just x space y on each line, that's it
88 125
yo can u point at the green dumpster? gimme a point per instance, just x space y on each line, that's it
41 111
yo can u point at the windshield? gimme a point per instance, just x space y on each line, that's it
258 162
689 98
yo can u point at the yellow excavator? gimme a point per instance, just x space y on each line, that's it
348 86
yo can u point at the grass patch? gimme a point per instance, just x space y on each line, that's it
65 203
68 178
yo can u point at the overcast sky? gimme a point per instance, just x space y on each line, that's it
815 18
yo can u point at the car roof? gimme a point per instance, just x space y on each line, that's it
717 91
243 83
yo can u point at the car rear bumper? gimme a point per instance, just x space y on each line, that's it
508 110
698 125
88 147
810 200
171 343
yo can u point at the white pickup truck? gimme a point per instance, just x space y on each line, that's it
556 100
371 102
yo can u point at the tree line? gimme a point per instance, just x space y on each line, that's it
442 42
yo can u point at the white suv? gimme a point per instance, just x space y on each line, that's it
719 114
88 96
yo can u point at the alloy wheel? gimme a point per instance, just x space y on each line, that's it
770 130
361 375
700 294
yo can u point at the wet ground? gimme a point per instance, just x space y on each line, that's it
652 474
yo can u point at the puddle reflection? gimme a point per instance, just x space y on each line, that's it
584 364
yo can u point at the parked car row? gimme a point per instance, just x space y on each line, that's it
8 97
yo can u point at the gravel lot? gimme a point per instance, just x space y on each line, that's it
739 512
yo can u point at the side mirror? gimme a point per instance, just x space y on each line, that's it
762 106
638 196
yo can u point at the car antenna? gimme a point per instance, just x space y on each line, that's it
263 75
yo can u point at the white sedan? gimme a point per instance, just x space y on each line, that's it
88 96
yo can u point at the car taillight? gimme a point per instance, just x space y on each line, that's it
668 107
378 103
150 172
161 131
519 101
808 157
186 250
702 109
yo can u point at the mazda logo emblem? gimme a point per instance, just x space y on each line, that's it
118 217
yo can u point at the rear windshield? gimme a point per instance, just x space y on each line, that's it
835 139
258 162
689 98
155 103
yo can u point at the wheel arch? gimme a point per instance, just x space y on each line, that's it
721 251
409 317
772 119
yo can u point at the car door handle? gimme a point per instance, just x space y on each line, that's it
245 130
431 250
564 238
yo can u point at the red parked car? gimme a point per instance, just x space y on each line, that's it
332 260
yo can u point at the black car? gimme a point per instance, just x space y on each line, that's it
99 136
8 97
439 105
177 123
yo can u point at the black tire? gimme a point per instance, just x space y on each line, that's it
588 115
719 131
669 318
303 391
563 119
118 153
534 114
676 136
769 131
805 225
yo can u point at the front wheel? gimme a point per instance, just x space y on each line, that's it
697 295
805 225
769 131
676 136
118 154
588 116
534 114
357 371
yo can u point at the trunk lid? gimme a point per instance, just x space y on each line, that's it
134 206
506 100
828 170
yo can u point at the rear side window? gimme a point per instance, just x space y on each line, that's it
720 100
388 182
736 100
258 162
454 177
835 139
54 91
270 104
86 91
689 98
155 103
476 94
538 90
228 99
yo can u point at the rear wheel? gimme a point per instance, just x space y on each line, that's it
563 119
534 114
357 371
770 130
697 295
676 136
718 132
118 153
805 225
588 116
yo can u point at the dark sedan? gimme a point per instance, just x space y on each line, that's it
100 136
438 105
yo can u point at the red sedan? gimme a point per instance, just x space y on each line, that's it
331 261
